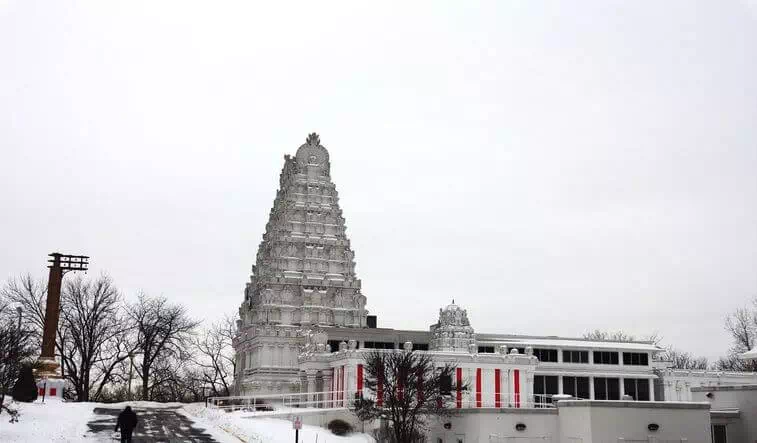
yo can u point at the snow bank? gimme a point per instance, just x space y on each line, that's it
265 429
52 421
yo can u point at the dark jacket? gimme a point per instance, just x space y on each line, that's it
127 420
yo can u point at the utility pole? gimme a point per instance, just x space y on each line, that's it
59 265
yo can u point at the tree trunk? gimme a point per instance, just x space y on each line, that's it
145 380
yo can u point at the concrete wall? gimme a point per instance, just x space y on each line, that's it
493 426
612 420
573 421
678 384
741 425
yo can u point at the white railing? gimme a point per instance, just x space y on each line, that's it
344 399
272 402
500 438
652 439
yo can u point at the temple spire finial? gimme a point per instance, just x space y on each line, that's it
313 139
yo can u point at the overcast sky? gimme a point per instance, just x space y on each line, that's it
555 167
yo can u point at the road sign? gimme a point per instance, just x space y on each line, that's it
297 423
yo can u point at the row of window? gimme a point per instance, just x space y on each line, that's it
377 345
604 388
600 357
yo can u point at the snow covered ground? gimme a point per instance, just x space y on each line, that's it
52 421
56 421
265 429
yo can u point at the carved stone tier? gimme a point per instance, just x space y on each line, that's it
304 272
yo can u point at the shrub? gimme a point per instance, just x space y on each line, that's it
339 427
25 388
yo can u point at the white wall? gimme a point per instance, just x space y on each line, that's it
743 398
678 383
611 420
491 426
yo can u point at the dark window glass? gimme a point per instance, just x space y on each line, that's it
551 385
600 388
334 345
642 389
575 356
538 384
420 346
569 386
582 388
486 349
719 434
638 388
445 385
379 345
606 388
613 388
549 355
544 385
629 387
605 358
636 358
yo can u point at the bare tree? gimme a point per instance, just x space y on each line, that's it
215 356
600 335
412 391
683 360
95 328
742 325
31 295
16 349
163 330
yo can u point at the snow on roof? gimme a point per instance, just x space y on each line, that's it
558 342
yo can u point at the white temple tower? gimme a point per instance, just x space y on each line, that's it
303 277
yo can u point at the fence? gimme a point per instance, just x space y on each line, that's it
343 399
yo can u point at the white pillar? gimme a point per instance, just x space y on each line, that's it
311 397
622 386
651 389
591 387
560 389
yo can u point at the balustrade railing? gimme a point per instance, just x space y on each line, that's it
344 399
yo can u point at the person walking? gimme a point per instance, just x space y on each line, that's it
127 421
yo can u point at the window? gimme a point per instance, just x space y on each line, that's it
420 346
636 358
544 387
605 358
576 386
486 349
575 356
445 385
719 434
378 345
606 388
546 354
638 388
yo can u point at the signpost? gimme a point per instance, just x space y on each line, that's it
44 389
297 425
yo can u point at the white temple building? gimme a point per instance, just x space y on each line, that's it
303 328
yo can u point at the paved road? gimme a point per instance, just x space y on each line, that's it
155 425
